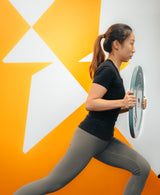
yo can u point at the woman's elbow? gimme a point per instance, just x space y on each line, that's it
88 106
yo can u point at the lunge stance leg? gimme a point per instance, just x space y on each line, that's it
120 155
82 148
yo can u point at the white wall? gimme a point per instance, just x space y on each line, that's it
143 16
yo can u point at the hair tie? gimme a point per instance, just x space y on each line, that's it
104 35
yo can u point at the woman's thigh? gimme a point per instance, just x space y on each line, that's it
82 148
120 155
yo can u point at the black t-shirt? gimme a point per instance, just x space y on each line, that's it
101 123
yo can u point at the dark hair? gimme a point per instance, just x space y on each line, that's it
117 32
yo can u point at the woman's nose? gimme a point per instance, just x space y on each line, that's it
133 50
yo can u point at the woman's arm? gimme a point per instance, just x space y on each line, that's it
95 102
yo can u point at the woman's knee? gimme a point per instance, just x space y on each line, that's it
54 184
144 168
55 187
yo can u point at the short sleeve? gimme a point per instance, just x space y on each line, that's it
104 76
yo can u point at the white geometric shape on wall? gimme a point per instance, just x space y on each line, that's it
54 95
149 132
31 10
142 23
88 58
31 48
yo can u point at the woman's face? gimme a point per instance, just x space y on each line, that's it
126 49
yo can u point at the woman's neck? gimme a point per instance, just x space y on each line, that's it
115 60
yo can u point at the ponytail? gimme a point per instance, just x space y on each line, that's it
98 56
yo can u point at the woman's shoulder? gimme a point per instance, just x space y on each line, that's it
107 63
105 66
104 75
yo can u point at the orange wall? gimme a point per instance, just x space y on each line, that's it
70 35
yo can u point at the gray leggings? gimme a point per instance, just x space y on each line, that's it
82 148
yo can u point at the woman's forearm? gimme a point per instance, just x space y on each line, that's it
102 105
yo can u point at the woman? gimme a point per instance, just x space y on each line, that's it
94 136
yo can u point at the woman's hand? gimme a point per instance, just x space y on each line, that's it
144 103
129 100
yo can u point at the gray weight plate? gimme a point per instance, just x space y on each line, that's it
136 113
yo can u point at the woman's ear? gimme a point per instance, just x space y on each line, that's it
116 44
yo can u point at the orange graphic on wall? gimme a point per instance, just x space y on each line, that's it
69 29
